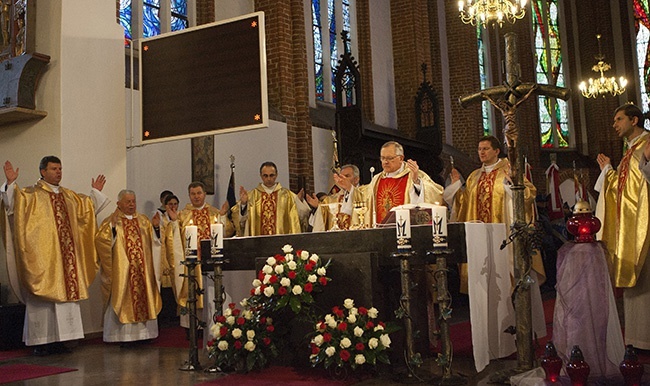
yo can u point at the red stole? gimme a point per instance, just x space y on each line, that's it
623 172
484 196
269 211
201 218
137 280
66 243
391 192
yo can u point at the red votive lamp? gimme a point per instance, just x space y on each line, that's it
583 225
577 368
551 362
631 369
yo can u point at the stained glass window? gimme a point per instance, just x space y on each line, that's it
179 15
338 18
125 20
549 69
642 29
482 54
150 15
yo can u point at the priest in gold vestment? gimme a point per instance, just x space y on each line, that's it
400 182
269 209
487 197
348 181
51 258
128 246
623 208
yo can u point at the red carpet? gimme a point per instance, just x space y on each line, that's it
174 337
23 352
285 376
21 372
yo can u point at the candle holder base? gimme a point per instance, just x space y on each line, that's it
187 366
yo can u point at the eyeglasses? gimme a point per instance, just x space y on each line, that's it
382 159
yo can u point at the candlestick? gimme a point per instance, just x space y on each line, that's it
191 238
216 234
439 225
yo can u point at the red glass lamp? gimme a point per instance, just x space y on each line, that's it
583 225
577 368
631 369
551 362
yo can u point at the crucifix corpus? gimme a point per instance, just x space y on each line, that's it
507 99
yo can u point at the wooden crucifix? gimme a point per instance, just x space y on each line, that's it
507 99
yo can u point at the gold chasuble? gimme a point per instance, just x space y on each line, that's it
324 220
272 213
625 216
55 255
127 269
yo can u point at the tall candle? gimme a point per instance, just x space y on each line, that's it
191 236
403 223
216 233
439 224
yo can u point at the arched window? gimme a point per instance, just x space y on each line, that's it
549 69
642 29
336 16
486 109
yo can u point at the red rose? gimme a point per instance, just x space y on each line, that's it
370 325
382 324
282 291
252 291
342 326
223 331
322 280
314 349
231 306
270 328
359 346
273 279
280 259
292 275
210 343
237 345
299 252
309 287
309 266
263 320
261 275
327 337
337 311
236 312
363 311
345 355
322 326
266 341
241 321
220 319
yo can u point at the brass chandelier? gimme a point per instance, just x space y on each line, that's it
602 85
484 12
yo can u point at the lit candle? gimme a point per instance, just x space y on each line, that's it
439 225
403 223
191 237
216 233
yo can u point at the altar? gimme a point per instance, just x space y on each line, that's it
362 269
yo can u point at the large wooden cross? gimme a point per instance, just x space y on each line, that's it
507 98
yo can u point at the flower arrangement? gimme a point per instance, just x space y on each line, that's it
350 336
289 280
242 339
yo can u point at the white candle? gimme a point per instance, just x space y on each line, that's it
191 236
439 225
216 233
403 223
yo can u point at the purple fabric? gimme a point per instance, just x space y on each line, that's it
582 306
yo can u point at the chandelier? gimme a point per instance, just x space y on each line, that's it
602 85
484 12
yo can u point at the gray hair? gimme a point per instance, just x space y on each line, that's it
399 150
123 193
355 169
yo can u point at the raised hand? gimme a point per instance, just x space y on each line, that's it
224 208
171 212
10 174
413 170
243 195
301 194
454 175
99 182
342 182
312 200
604 160
155 220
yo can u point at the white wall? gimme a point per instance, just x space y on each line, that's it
383 78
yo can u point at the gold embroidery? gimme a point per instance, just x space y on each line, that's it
269 212
137 284
66 243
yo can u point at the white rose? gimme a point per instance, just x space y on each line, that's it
267 269
358 331
230 320
359 359
304 255
257 290
321 271
297 290
348 303
312 278
289 257
330 351
345 343
285 282
236 333
331 323
222 345
292 265
227 312
373 343
354 311
214 330
351 319
269 291
271 261
248 314
267 279
318 340
385 340
287 248
244 302
379 327
250 346
257 283
250 334
279 269
314 257
373 313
